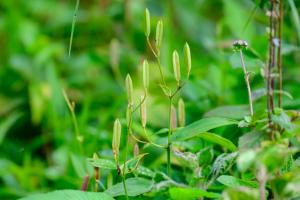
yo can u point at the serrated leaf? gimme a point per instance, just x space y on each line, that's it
231 181
199 127
69 195
214 138
135 186
191 194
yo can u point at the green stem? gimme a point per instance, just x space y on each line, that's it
126 150
169 139
73 26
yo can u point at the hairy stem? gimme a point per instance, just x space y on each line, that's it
246 74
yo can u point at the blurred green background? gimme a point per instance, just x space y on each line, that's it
38 149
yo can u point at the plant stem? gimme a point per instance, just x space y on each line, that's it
73 26
126 150
169 139
279 57
247 82
271 64
157 56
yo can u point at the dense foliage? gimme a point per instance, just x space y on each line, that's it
149 99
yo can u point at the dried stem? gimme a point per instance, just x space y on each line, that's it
246 74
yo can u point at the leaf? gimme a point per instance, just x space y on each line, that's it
190 193
231 181
7 124
69 195
199 127
214 138
232 112
251 140
141 170
223 163
132 164
245 160
103 163
135 186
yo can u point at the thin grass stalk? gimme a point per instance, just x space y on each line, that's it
246 74
73 26
279 56
169 139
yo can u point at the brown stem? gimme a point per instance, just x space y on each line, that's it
279 60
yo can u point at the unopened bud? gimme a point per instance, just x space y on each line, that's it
159 35
187 58
147 23
136 150
176 67
145 75
129 89
116 140
173 118
181 113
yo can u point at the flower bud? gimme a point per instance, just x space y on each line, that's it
145 75
116 139
147 23
143 111
136 150
173 118
181 113
176 67
129 89
187 58
159 35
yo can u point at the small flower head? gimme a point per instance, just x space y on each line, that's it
239 45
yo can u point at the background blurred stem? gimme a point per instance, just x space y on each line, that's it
279 56
73 26
169 138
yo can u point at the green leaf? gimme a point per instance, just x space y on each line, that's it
223 163
190 193
69 195
214 138
7 124
135 186
232 112
103 163
231 181
245 160
200 127
251 140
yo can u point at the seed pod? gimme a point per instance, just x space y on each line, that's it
129 89
159 35
181 113
173 118
145 74
147 23
187 58
116 140
136 150
176 67
143 111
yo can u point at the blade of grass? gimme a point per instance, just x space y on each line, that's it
73 26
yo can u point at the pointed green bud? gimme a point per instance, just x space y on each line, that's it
181 113
143 112
95 156
129 89
187 58
116 140
159 35
173 118
147 23
145 75
176 67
